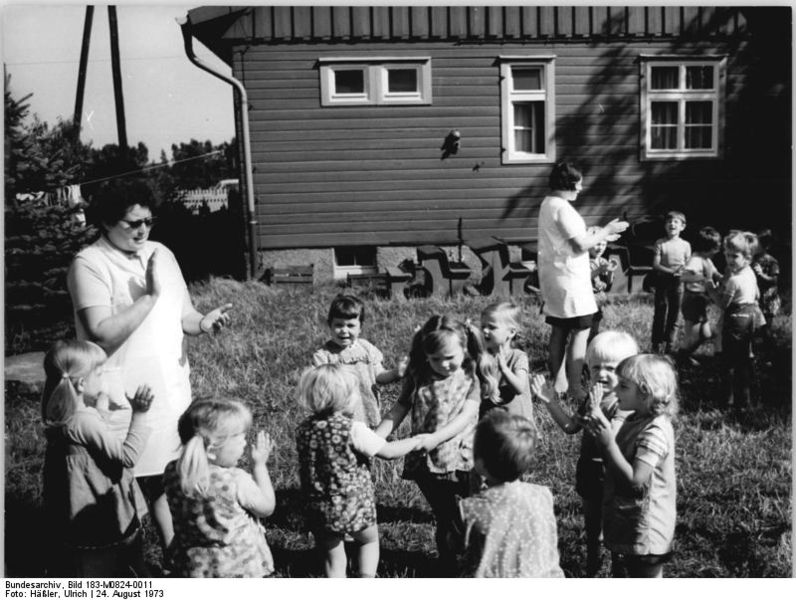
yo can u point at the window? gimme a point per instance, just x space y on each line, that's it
681 107
527 109
354 260
379 80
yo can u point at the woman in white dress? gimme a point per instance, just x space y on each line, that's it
129 296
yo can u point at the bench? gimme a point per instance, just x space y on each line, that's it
635 262
443 277
291 274
499 275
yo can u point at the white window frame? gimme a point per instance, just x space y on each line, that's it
508 96
376 77
681 95
341 272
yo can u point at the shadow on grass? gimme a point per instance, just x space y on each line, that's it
26 539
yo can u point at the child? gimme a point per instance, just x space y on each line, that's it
510 529
766 269
91 498
738 299
449 372
699 276
671 255
345 320
602 278
640 482
500 323
334 457
604 353
216 505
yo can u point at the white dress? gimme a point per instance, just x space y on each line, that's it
564 275
154 354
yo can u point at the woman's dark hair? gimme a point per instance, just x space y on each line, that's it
707 240
345 306
564 176
505 442
111 200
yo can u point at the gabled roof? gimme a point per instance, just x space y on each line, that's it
218 26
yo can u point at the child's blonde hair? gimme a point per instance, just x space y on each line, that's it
327 389
206 425
656 378
477 361
610 346
65 363
504 443
509 313
744 242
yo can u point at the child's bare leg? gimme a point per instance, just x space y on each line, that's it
691 339
592 518
335 562
367 551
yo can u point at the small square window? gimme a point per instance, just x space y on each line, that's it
402 80
349 81
375 81
526 79
354 260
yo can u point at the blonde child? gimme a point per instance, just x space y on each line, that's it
510 528
345 346
672 253
738 299
500 324
216 505
603 354
449 372
640 483
699 277
91 499
602 278
334 467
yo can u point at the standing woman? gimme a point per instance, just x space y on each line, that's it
129 297
565 274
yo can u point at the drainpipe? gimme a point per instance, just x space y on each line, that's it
185 25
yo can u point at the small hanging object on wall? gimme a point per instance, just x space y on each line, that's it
451 143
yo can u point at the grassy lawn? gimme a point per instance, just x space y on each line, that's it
734 472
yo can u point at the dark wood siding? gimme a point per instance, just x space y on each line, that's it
374 174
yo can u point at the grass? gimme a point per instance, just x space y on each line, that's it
734 472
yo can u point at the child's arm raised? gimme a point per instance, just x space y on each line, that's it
398 411
543 389
517 379
390 375
636 475
261 499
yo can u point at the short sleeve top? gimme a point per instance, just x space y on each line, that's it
740 288
702 268
673 253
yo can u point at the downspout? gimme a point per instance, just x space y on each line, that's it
185 25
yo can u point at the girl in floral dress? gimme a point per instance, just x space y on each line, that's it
449 372
216 505
334 468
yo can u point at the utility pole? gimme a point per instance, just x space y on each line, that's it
81 74
117 78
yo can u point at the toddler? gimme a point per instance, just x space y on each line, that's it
334 467
699 277
216 505
345 320
738 299
91 499
766 269
500 323
640 483
672 253
603 354
510 528
449 372
602 278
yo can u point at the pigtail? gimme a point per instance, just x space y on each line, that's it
193 468
482 364
64 363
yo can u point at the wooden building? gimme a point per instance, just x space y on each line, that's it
354 113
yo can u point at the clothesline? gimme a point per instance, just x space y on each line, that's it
150 167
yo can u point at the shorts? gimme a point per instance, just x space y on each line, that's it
590 478
152 486
736 336
694 307
572 323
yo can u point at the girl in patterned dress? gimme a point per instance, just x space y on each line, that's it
334 468
345 346
510 528
766 269
217 506
449 372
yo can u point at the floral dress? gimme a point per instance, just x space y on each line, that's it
335 479
214 534
769 292
366 360
511 531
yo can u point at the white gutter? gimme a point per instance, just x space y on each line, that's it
187 36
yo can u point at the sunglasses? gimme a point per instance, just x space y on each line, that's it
149 221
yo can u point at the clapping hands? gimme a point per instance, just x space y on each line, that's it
261 449
142 399
216 319
542 388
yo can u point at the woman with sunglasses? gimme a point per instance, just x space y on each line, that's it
129 296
